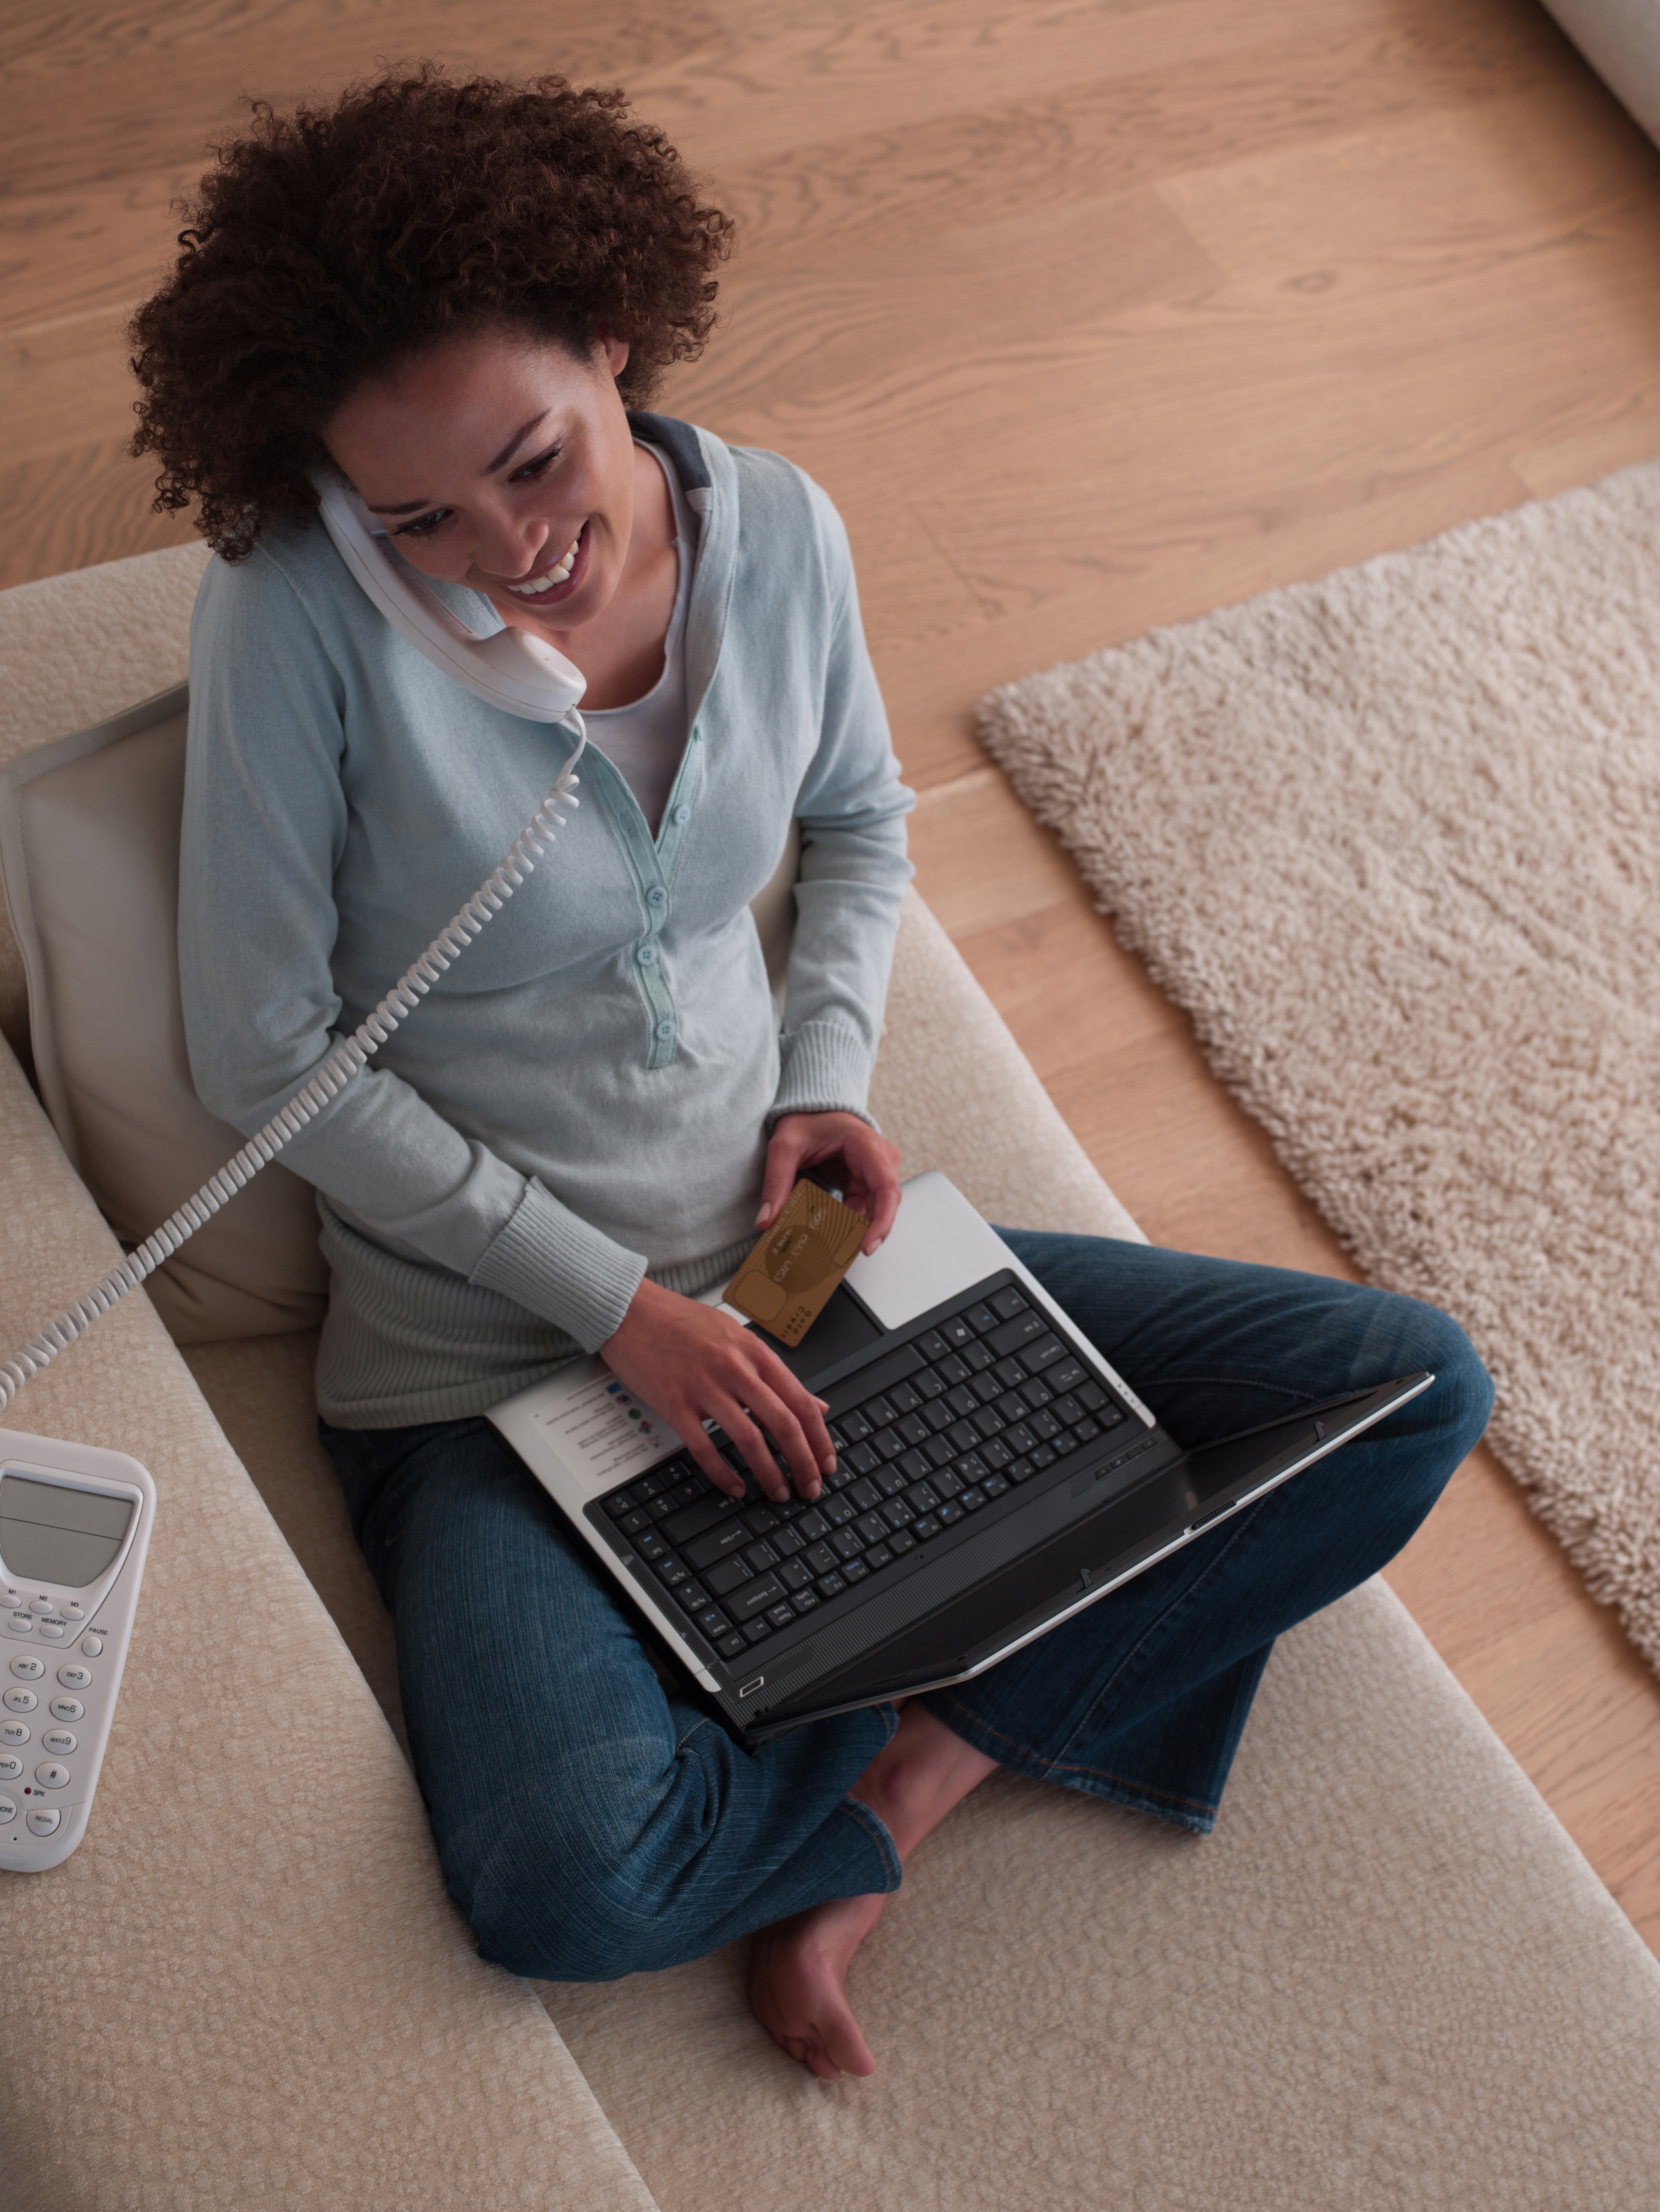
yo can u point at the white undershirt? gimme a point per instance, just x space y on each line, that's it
645 741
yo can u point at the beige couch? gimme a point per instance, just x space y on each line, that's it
1388 1980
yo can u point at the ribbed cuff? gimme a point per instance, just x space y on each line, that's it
826 1070
554 1265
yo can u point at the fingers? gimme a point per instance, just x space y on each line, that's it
872 1182
784 1155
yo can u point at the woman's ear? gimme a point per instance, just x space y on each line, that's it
613 350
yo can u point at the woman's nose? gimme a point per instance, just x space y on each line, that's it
508 551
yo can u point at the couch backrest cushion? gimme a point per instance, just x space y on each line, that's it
89 851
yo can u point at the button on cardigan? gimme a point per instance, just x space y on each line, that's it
585 1096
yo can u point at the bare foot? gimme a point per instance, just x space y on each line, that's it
799 1971
798 1976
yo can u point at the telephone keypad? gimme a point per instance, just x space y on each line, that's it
7 1807
62 1741
67 1709
20 1701
45 1820
75 1678
28 1670
51 1776
11 1766
92 1645
16 1732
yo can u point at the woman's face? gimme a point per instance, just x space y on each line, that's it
503 463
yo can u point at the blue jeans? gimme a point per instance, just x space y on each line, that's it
592 1824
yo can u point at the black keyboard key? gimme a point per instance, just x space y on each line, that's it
947 1482
915 1466
853 1427
962 1400
812 1524
684 1492
1044 1456
671 1573
872 1527
1091 1395
989 1421
692 1595
821 1560
691 1520
941 1451
660 1508
892 1480
1022 1328
1044 1425
728 1575
1011 1406
1008 1301
760 1556
972 1499
987 1388
887 1443
758 1519
952 1369
922 1497
847 1544
978 1356
1067 1373
963 1435
971 1467
646 1488
950 1512
1085 1429
862 1457
652 1548
781 1616
619 1506
896 1513
794 1575
838 1511
996 1453
938 1416
842 1476
957 1332
786 1541
831 1586
854 1570
913 1429
720 1543
634 1519
993 1486
932 1345
756 1632
878 1413
1036 1392
1067 1410
927 1384
864 1494
1009 1372
903 1397
1042 1354
732 1646
877 1557
926 1527
901 1540
1020 1438
1021 1470
744 1605
981 1319
805 1600
713 1621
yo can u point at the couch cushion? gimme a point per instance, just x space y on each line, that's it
90 856
247 1988
1387 1979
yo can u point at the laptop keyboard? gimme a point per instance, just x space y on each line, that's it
977 1402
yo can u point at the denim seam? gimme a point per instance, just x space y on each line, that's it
1043 1769
876 1829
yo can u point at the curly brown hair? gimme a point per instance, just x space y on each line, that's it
327 247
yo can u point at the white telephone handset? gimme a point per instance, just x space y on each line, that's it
511 669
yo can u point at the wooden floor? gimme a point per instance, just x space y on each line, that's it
1091 315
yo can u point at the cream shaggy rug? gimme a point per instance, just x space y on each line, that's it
1393 840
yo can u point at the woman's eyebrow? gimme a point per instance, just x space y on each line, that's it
419 505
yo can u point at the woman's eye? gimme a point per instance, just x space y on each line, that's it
424 524
531 470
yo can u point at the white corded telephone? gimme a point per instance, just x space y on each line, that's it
59 1503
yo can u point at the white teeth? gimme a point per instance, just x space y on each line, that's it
558 573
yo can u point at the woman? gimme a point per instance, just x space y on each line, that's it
452 295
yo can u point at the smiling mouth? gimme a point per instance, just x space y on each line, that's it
550 578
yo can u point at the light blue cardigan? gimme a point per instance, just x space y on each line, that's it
585 1096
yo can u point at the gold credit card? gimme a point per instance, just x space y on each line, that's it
788 1279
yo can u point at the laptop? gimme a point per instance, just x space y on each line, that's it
994 1476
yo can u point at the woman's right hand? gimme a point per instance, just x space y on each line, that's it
692 1363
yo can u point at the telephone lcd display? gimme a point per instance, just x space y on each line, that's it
51 1533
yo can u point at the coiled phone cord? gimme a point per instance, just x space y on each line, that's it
308 1101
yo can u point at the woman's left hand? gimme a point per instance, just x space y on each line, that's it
869 1176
